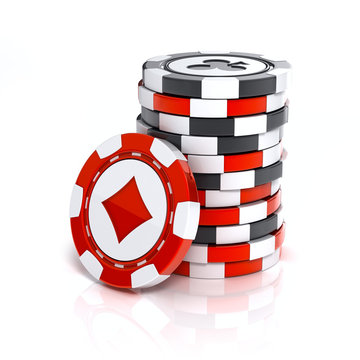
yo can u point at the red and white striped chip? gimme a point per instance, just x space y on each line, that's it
241 214
225 198
224 270
212 108
218 164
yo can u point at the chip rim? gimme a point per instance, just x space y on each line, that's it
210 108
249 250
221 198
214 145
241 214
219 164
158 77
219 235
238 180
200 126
184 193
227 270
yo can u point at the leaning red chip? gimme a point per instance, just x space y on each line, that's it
134 211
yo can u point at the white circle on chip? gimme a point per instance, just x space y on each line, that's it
152 195
215 65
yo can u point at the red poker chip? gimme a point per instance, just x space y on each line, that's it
213 108
134 211
242 214
223 270
225 198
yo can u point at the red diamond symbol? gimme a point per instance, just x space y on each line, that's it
126 209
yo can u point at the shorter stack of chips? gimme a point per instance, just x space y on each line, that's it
226 113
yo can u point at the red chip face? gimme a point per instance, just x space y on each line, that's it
134 211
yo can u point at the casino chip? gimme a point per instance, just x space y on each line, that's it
207 145
232 234
231 126
253 249
241 214
134 211
239 180
213 108
218 164
220 198
216 75
224 270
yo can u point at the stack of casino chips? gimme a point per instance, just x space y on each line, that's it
226 113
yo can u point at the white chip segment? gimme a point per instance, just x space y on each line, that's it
176 152
146 98
154 77
262 247
206 164
197 254
199 145
208 108
270 138
280 216
275 101
275 186
215 198
232 234
91 264
253 212
174 124
146 276
248 125
220 88
159 150
207 271
186 220
283 77
271 155
109 147
237 180
271 260
76 201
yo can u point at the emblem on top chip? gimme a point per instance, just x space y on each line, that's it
216 76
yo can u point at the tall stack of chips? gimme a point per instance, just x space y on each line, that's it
225 112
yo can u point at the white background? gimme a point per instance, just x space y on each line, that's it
68 81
